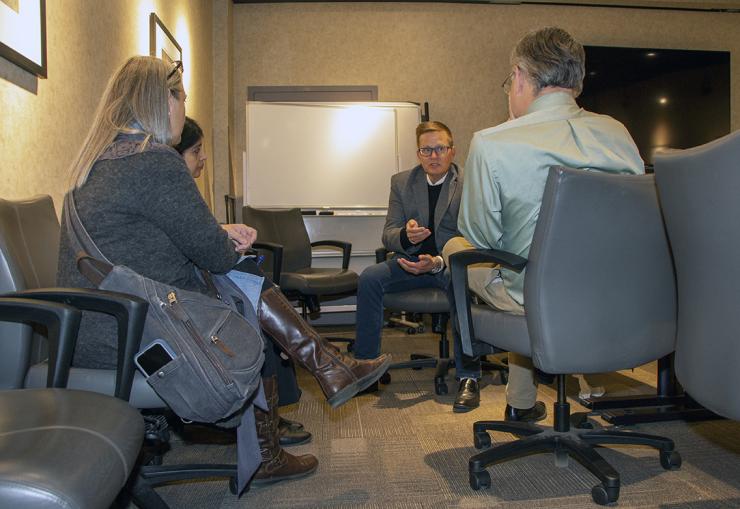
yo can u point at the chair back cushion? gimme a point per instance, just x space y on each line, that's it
599 287
283 227
699 191
29 245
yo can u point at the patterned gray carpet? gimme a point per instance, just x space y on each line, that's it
404 448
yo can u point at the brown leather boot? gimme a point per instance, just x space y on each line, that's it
277 465
340 376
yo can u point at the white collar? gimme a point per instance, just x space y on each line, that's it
439 182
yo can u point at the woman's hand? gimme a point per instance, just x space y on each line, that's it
241 235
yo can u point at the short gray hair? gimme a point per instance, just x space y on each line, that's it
551 58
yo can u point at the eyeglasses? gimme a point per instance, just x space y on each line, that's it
440 150
178 67
506 85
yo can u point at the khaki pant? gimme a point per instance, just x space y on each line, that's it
485 281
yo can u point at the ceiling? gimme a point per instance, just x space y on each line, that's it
702 5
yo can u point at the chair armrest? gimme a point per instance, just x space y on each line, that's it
129 311
346 248
277 258
459 263
62 323
381 255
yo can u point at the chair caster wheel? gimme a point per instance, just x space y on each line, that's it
481 440
385 378
232 485
670 460
480 480
411 331
440 388
603 495
420 329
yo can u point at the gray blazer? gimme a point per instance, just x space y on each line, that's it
409 199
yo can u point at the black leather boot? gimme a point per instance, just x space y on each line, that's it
340 376
277 465
292 433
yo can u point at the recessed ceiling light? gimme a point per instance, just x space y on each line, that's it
651 54
663 100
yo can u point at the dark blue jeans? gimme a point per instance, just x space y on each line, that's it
389 277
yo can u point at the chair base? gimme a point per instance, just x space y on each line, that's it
668 404
142 486
575 443
441 365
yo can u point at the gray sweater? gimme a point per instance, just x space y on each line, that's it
143 211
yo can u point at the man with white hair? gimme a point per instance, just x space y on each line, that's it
507 167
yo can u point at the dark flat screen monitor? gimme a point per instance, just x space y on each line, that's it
666 98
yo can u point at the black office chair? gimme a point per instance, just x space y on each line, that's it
435 302
29 243
282 233
59 447
599 296
698 194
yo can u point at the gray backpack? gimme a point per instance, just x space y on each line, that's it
217 342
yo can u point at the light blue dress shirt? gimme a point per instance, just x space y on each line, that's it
508 164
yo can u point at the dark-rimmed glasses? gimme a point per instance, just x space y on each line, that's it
178 67
440 150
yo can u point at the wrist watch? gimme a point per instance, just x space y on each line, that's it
440 266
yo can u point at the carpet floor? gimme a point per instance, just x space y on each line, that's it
404 448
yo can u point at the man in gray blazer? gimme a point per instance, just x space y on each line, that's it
422 217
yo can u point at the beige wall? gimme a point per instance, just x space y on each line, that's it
43 122
453 55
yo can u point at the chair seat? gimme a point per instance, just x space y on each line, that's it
505 331
319 281
102 381
65 448
420 300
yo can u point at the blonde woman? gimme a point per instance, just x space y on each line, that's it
141 207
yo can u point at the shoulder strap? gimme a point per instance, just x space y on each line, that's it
81 240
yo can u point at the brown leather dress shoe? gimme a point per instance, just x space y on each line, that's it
534 414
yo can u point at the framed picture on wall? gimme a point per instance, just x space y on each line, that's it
23 34
162 43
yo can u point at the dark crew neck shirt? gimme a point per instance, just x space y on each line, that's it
428 245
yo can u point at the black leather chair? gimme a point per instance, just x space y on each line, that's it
599 296
435 302
284 235
698 191
59 447
29 243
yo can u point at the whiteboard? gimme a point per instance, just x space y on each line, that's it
326 155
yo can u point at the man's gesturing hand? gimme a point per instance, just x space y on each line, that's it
416 233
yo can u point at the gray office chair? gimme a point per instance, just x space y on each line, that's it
29 245
698 191
59 447
599 296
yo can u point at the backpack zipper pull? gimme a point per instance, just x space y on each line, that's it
220 344
171 298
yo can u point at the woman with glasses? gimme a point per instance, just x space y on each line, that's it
140 205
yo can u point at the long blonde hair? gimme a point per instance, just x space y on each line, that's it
134 101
